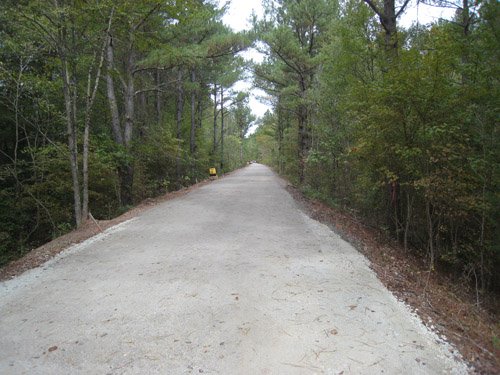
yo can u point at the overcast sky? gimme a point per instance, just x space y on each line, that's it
238 18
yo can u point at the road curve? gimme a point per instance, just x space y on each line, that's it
231 278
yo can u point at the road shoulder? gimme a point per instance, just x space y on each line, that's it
443 306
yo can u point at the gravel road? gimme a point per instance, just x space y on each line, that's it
231 278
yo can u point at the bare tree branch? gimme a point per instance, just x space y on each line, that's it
402 9
372 5
144 19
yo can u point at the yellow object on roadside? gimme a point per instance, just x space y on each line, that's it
212 172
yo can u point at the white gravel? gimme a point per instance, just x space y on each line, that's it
229 279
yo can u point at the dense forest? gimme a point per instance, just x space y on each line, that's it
106 103
398 125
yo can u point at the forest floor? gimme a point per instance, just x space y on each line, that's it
444 305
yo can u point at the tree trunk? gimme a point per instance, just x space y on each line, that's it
214 149
303 141
126 171
85 167
72 145
431 235
221 129
179 111
17 125
113 104
129 96
192 138
280 121
466 18
200 108
70 109
158 96
409 204
91 94
180 104
123 138
242 138
388 20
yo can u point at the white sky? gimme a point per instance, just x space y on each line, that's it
239 15
239 18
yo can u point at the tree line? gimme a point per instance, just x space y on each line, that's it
106 103
399 125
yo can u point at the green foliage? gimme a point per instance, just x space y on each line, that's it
410 141
152 42
496 342
155 165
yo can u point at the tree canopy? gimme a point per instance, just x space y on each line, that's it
399 125
106 103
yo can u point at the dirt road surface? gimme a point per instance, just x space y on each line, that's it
230 279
